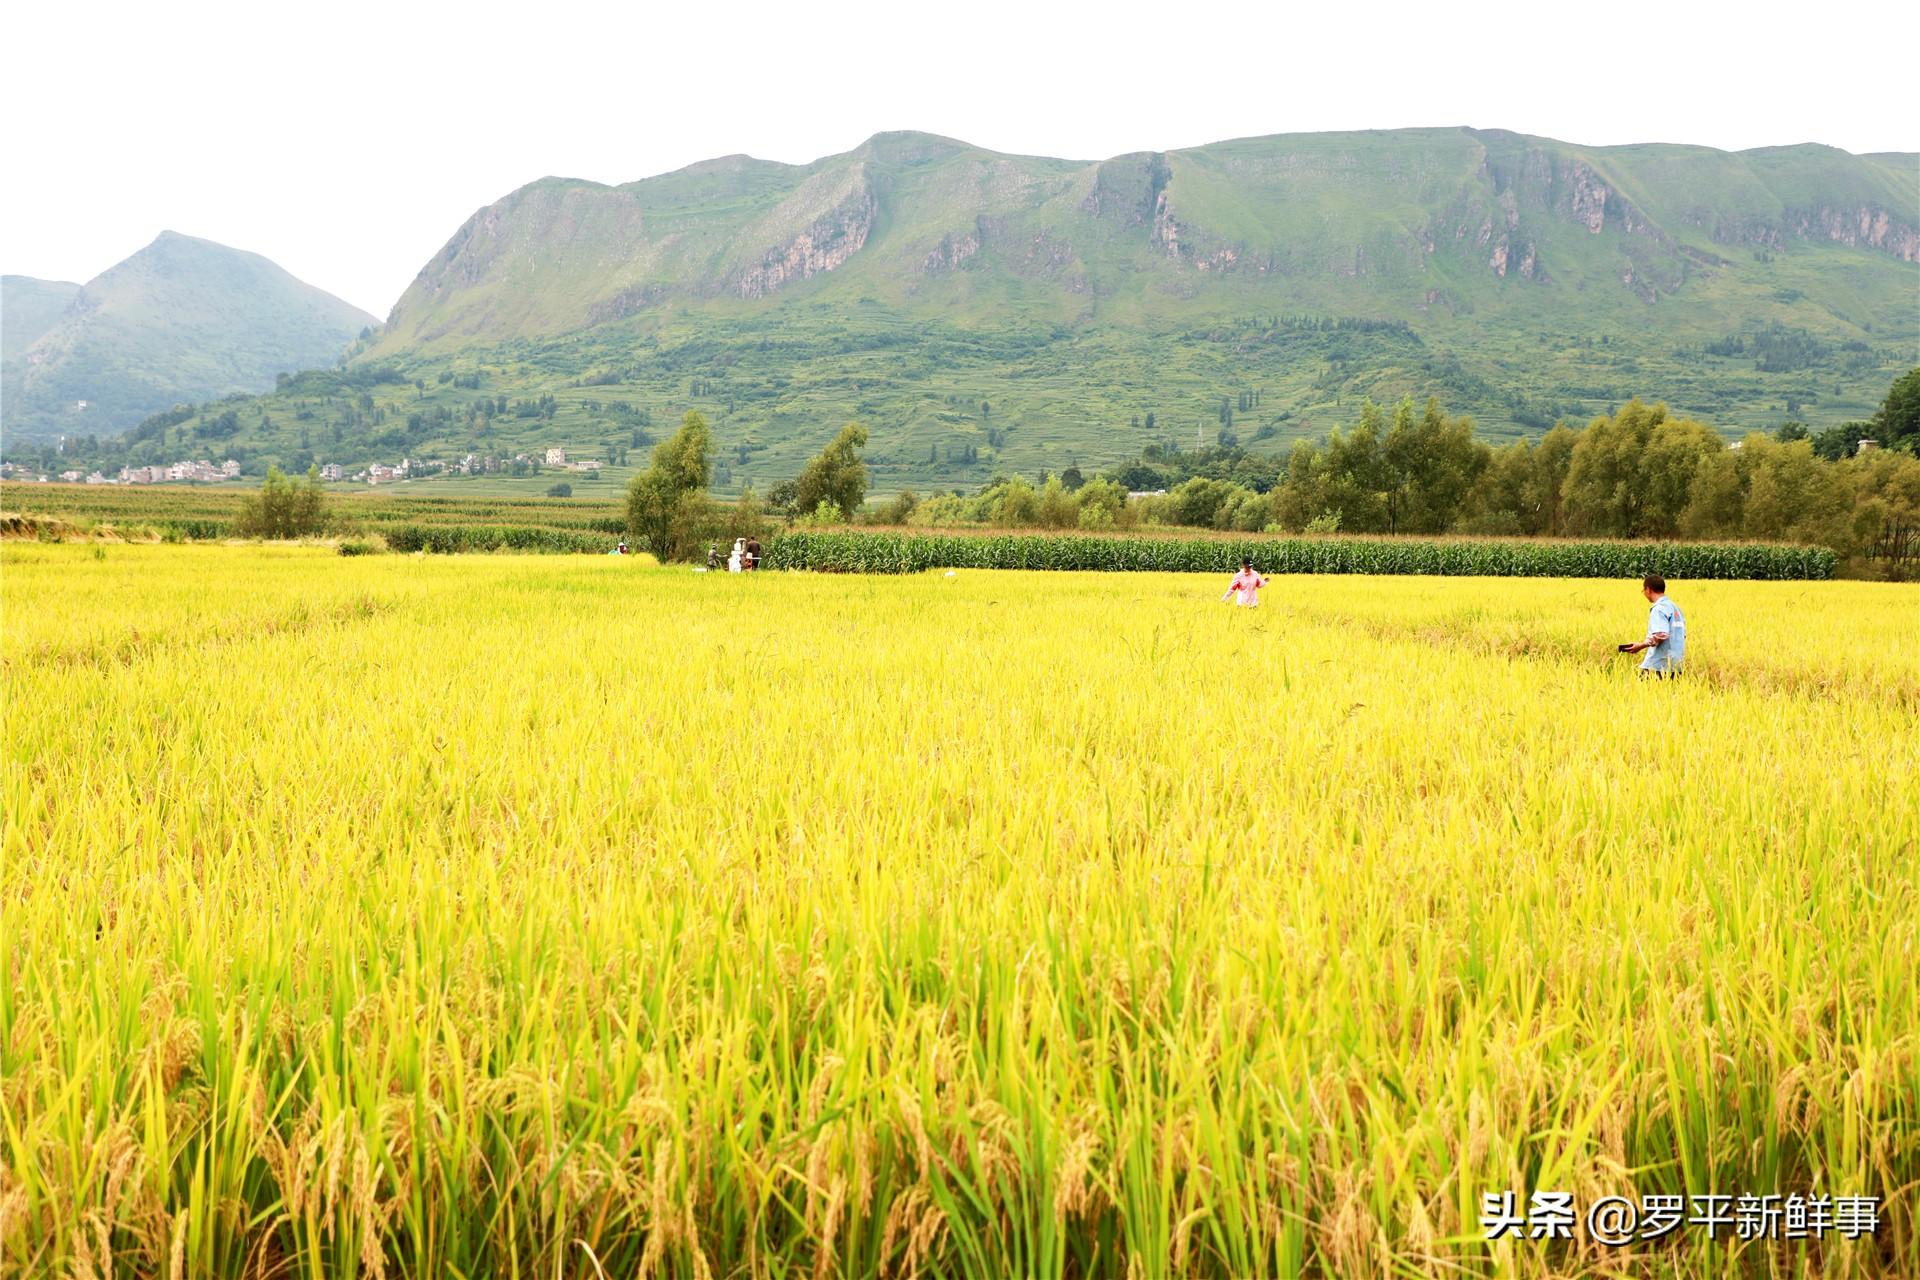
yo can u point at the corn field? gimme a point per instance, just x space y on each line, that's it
442 916
1477 557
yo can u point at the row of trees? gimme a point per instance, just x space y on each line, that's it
1637 473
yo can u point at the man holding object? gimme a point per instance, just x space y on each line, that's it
1666 640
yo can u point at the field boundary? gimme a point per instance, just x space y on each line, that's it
913 553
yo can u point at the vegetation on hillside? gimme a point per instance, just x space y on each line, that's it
943 406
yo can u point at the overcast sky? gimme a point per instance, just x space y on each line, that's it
348 141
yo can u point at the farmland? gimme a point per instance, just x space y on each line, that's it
208 512
458 916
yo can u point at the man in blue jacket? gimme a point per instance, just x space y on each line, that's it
1666 642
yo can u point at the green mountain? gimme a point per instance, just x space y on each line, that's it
1440 228
983 312
182 320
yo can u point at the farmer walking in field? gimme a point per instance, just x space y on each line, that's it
1666 642
1245 588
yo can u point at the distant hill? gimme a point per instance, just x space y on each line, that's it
982 312
182 320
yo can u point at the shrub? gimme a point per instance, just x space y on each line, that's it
283 508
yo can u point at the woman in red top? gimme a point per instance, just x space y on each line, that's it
1246 585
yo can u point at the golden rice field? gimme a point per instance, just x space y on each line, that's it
564 917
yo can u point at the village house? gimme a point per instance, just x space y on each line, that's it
556 456
332 471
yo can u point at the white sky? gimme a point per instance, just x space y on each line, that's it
348 141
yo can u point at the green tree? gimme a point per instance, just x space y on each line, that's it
1431 463
1195 502
1056 507
748 518
1629 475
1356 480
897 509
1837 442
1102 503
667 503
284 508
1767 489
1015 505
1884 513
1898 418
835 474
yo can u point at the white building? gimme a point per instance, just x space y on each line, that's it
332 471
556 456
230 468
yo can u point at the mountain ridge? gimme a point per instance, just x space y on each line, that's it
751 228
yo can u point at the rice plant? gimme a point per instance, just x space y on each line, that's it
476 916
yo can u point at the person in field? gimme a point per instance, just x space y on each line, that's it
753 553
1245 588
1666 641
